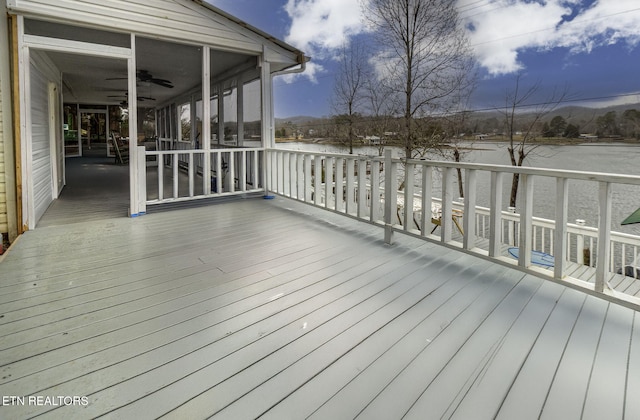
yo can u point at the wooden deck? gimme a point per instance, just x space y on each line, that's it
276 309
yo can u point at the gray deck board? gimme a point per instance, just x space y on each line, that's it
273 308
529 390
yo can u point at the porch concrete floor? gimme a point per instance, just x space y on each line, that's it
274 308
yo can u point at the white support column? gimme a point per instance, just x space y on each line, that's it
495 228
268 139
240 104
560 233
205 136
469 217
133 131
604 236
526 221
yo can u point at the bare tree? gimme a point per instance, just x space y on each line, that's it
381 123
522 141
349 88
425 58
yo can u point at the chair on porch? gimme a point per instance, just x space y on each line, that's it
121 147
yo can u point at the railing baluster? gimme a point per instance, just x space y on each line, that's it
495 221
427 193
308 192
560 246
175 167
160 178
469 216
300 177
317 180
232 172
362 188
243 171
219 172
526 215
604 235
292 175
350 186
409 174
375 191
446 221
339 184
328 181
191 174
390 195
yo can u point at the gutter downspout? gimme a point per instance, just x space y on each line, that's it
302 60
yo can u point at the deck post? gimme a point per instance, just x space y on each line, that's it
604 236
390 201
205 138
560 234
133 130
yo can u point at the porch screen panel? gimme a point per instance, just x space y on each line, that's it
230 102
214 120
251 114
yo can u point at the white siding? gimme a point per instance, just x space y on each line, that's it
4 225
40 145
175 19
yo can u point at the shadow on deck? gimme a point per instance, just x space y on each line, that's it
271 307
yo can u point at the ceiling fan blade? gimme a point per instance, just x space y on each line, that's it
162 82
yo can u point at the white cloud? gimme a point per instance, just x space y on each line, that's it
501 29
319 27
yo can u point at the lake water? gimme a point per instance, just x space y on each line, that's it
583 195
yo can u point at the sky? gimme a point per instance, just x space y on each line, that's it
591 48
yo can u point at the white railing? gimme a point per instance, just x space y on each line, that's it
179 175
367 188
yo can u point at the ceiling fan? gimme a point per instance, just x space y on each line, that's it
145 76
140 98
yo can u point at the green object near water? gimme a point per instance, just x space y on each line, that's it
632 218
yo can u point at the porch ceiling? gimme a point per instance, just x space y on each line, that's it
97 80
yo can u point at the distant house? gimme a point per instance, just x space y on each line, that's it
481 136
373 140
588 136
77 63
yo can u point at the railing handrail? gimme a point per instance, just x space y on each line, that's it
301 175
553 173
